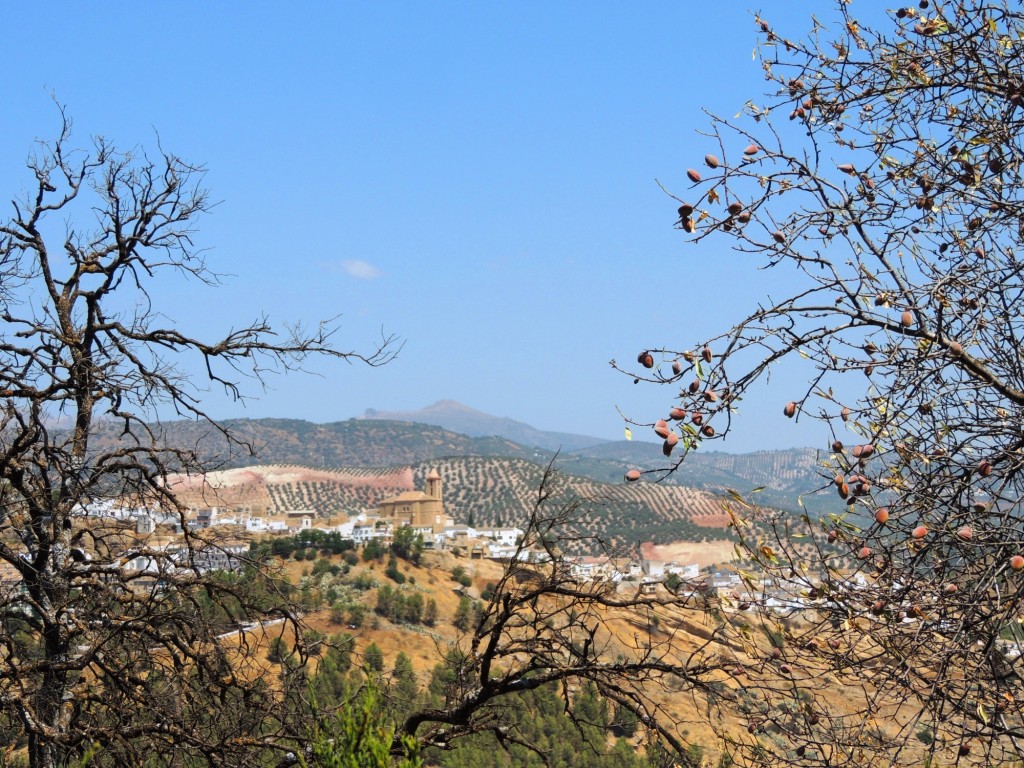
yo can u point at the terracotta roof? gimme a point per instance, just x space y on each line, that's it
408 496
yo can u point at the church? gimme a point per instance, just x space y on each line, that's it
421 510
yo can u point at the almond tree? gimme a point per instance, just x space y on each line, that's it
882 174
108 643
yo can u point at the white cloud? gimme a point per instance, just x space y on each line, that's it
362 270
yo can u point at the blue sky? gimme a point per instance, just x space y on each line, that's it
476 178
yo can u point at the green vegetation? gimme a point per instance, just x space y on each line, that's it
358 735
407 544
399 606
543 732
315 541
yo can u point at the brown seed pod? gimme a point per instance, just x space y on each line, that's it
706 354
735 207
646 359
707 430
685 210
694 386
864 553
845 414
789 410
677 367
844 491
751 150
661 428
847 168
837 446
633 475
697 418
984 468
744 217
710 161
710 395
677 414
882 515
693 176
907 318
919 532
778 237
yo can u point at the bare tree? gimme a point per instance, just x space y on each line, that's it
547 624
108 641
882 172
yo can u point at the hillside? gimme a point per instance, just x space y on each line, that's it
783 475
749 694
351 443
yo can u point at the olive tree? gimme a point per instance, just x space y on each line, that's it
882 174
109 641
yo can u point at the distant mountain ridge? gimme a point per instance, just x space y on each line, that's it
464 420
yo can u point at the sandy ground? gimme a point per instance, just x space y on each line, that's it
687 552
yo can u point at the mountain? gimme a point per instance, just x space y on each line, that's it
467 421
351 443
